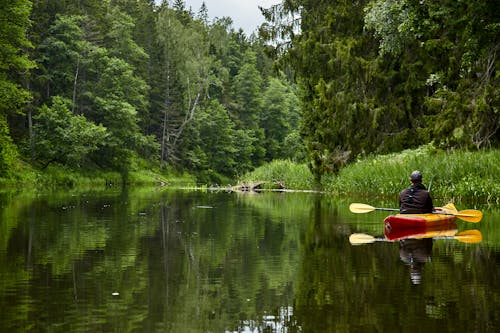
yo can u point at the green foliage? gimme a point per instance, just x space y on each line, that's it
185 75
431 76
388 19
14 66
374 77
247 90
56 176
336 67
452 175
294 148
14 22
118 97
218 139
463 106
8 151
60 55
245 149
468 117
63 137
12 96
278 117
289 174
117 82
119 150
148 73
119 39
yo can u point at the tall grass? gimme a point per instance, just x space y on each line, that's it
451 175
291 175
56 176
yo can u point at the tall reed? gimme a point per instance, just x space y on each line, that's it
291 175
451 175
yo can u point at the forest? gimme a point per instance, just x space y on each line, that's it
122 85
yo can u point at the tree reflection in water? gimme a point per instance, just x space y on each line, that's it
193 261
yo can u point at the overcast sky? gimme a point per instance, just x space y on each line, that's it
245 13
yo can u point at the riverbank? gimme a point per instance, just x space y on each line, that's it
451 175
57 176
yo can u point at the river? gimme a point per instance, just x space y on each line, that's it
162 260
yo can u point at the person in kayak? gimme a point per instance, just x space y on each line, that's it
415 199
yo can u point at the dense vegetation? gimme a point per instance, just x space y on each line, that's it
123 85
384 75
450 175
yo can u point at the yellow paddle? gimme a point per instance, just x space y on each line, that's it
469 236
364 208
468 215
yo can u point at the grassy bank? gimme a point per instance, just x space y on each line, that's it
455 175
289 174
56 177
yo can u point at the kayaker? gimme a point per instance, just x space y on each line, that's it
415 199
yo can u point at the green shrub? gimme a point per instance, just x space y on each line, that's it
8 152
289 174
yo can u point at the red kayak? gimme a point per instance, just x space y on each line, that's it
443 216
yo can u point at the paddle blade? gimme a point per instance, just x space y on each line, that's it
470 215
361 208
358 239
469 236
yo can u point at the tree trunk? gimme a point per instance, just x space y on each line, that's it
75 84
165 118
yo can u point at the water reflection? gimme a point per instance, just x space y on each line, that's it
415 253
415 243
180 261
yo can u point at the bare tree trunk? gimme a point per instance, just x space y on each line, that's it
163 136
30 126
165 118
75 84
189 116
168 148
190 111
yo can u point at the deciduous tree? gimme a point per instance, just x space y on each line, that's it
63 137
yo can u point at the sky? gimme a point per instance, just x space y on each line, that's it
244 13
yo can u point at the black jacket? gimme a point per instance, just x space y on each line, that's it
415 200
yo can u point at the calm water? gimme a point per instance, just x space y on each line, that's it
180 261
